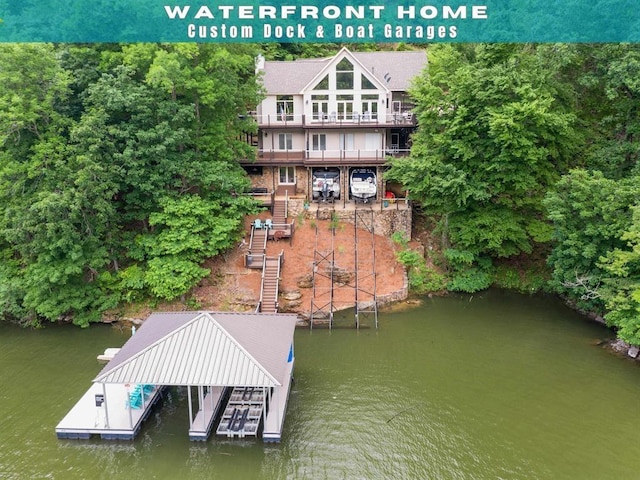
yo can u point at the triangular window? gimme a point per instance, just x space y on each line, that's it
344 75
323 84
367 84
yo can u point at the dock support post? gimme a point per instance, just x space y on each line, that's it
264 406
106 406
201 405
277 400
190 406
129 400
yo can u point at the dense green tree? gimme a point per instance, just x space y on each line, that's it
118 172
593 260
187 231
609 105
621 289
56 214
590 214
495 132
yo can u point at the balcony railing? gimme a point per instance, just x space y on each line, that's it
327 120
334 156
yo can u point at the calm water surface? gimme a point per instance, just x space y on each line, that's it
494 386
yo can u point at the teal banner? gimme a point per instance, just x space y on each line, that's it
319 21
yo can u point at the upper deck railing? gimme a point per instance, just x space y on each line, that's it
333 119
334 156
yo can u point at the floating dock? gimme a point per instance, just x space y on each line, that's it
249 354
274 423
209 407
112 420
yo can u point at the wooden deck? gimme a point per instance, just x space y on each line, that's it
113 420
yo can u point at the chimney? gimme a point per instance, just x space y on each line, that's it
259 63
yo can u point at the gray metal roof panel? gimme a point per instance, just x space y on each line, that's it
205 348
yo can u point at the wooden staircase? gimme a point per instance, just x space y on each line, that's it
270 281
258 243
254 258
279 212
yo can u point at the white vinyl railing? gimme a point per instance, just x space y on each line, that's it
336 119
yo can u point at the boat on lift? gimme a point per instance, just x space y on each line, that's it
363 185
326 184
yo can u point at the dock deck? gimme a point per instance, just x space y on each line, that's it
113 420
274 422
203 423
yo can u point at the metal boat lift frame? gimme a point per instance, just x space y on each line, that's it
366 301
323 259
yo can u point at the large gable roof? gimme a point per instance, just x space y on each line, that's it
393 69
290 77
205 348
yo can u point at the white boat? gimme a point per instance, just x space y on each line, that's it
363 184
326 184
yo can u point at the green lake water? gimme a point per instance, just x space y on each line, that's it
490 386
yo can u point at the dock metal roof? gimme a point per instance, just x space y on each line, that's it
205 348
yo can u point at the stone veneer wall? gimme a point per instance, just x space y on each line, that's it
396 296
269 180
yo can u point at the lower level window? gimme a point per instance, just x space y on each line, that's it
287 175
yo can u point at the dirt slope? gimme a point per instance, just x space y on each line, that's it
231 286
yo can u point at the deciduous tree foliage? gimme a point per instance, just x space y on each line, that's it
520 146
594 210
495 132
119 172
590 214
621 288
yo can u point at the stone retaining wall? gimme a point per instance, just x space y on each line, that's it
386 221
396 296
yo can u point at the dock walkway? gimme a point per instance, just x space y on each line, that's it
203 422
112 420
274 422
